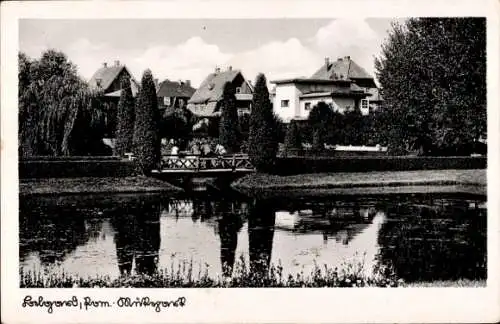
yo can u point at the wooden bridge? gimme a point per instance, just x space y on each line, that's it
195 164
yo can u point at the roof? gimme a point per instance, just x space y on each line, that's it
133 86
175 89
107 74
309 81
212 87
342 68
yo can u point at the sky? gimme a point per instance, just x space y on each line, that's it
190 49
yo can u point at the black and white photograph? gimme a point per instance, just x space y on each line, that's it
266 152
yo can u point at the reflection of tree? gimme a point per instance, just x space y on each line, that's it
428 242
229 224
52 231
261 222
138 235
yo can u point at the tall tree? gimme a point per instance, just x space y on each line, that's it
228 128
293 140
146 129
125 119
433 77
263 135
58 114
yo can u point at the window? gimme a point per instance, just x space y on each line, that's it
307 106
166 101
238 90
364 104
284 103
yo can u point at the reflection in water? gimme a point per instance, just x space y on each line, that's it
421 238
137 237
435 240
260 236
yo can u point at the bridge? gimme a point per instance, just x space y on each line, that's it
204 166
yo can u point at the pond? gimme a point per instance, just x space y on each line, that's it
420 237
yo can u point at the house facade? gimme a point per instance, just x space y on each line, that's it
205 102
108 80
343 84
172 94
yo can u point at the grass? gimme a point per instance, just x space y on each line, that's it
85 185
461 283
469 180
350 275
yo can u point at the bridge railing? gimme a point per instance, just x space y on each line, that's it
197 162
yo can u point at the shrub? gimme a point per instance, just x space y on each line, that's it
146 140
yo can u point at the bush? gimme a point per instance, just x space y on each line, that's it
293 139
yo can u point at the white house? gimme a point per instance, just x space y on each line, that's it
342 83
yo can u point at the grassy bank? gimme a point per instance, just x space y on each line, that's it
359 181
184 276
91 185
461 283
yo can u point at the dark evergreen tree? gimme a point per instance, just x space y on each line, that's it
433 77
228 128
125 120
146 129
263 135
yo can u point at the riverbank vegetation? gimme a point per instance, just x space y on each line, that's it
244 275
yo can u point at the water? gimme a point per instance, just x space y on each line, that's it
423 238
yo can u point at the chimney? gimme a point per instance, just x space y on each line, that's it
347 58
230 68
188 83
117 63
327 61
105 64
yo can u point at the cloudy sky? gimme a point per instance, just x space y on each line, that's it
189 49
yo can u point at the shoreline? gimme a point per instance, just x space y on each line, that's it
93 185
352 183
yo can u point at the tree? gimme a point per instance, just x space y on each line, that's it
146 129
58 114
293 140
320 120
228 128
433 77
263 136
125 119
177 122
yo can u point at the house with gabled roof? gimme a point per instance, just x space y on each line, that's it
108 80
343 84
205 102
172 94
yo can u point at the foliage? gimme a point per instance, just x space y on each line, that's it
186 276
320 120
177 123
293 140
125 119
229 133
146 140
433 77
263 136
58 114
